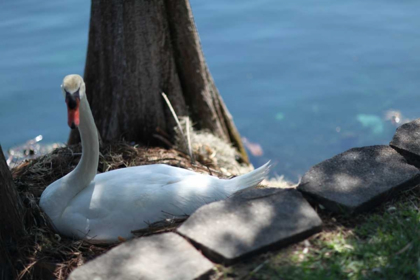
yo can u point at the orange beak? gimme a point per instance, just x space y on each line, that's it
73 111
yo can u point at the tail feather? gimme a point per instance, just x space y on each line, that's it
247 180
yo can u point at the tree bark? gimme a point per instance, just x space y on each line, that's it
11 222
138 49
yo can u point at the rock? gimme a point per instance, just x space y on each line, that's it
163 256
407 141
358 179
251 222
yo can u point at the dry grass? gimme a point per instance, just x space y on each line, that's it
210 149
50 256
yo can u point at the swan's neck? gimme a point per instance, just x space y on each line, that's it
85 171
58 195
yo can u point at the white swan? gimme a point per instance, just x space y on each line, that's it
110 205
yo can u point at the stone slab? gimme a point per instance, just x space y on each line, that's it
164 256
407 141
251 222
358 179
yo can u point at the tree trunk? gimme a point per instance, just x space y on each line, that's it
11 222
137 50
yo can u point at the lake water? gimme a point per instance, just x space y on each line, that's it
304 79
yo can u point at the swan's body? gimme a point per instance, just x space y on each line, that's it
110 205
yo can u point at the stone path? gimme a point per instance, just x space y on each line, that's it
256 220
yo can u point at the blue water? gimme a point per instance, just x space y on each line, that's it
304 79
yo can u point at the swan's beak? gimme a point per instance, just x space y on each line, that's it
73 101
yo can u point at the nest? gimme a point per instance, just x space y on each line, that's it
51 256
209 149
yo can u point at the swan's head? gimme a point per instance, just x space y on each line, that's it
73 89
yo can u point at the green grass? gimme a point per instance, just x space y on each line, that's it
385 246
380 245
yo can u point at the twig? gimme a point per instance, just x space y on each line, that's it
405 248
27 268
163 139
179 125
189 140
255 270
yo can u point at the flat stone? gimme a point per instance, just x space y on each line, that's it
407 141
358 179
251 222
163 256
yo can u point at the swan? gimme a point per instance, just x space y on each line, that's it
106 207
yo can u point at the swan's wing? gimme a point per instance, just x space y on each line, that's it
157 186
128 199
